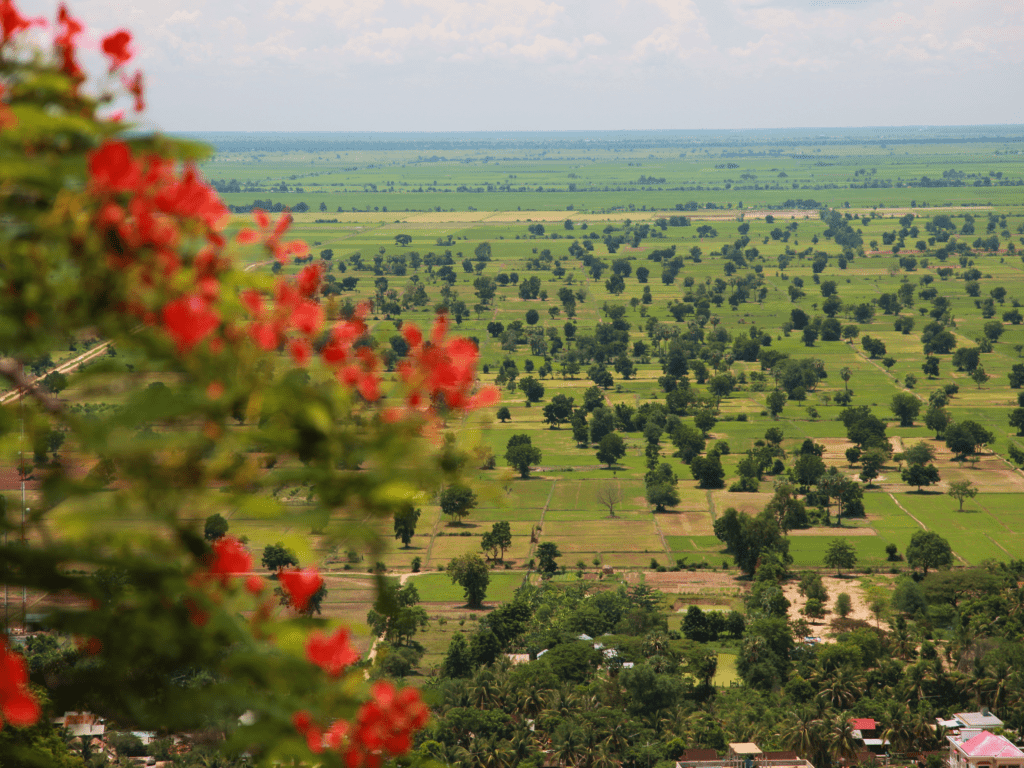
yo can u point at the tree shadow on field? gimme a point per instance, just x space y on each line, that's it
461 526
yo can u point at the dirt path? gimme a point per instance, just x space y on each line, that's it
66 367
373 648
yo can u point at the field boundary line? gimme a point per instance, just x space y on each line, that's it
711 505
661 535
433 535
897 503
529 552
987 536
925 527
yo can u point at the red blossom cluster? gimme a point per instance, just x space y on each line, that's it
148 208
116 46
300 584
332 654
230 558
68 28
13 23
443 370
271 238
383 728
18 706
144 205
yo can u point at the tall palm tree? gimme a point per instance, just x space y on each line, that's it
903 642
603 757
475 754
531 702
798 731
842 744
841 688
567 744
997 680
924 738
916 679
895 726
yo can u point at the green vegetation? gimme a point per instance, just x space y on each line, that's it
760 363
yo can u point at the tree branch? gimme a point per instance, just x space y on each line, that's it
12 371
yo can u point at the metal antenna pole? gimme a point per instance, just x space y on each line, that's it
21 446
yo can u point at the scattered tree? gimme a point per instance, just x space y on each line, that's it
928 550
457 500
215 527
497 540
611 449
961 490
471 573
843 605
405 524
840 554
546 554
609 494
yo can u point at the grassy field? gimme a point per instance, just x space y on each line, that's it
449 207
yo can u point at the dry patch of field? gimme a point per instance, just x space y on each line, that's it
691 582
691 522
833 532
834 586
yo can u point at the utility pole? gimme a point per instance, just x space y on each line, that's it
21 462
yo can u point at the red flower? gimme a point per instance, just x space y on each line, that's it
134 87
252 301
116 47
300 585
412 334
188 321
332 654
300 350
303 722
192 198
265 336
70 28
12 22
309 279
369 388
486 397
230 557
113 169
386 722
16 702
336 734
307 317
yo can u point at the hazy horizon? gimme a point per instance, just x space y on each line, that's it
536 65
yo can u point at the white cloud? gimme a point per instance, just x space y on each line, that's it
730 52
183 17
543 48
682 35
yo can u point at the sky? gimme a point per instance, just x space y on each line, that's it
479 65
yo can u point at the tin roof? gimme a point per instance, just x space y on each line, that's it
987 744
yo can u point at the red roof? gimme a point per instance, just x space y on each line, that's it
987 744
863 724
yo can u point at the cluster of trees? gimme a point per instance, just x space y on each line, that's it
643 695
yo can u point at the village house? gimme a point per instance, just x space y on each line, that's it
984 750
